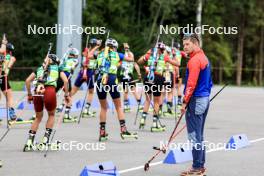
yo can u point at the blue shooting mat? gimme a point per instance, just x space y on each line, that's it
77 104
24 105
2 112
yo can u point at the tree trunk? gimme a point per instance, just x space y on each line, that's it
220 71
154 24
240 47
256 69
199 19
139 16
261 48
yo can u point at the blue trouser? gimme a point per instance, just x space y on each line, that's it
79 80
195 119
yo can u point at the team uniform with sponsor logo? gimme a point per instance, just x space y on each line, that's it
154 85
107 64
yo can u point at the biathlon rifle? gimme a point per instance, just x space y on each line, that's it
104 68
43 78
152 67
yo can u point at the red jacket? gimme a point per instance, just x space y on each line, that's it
197 63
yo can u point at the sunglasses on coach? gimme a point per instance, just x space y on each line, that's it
191 35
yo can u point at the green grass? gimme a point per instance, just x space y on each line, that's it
17 85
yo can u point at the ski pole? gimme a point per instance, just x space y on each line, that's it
152 105
66 54
7 111
79 119
108 33
174 88
54 131
173 135
87 40
135 122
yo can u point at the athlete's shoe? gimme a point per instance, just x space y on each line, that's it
157 127
125 134
193 172
69 119
29 146
127 108
103 136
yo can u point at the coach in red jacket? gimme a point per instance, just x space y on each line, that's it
198 84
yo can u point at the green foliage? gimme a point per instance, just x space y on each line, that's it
17 85
137 22
15 16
